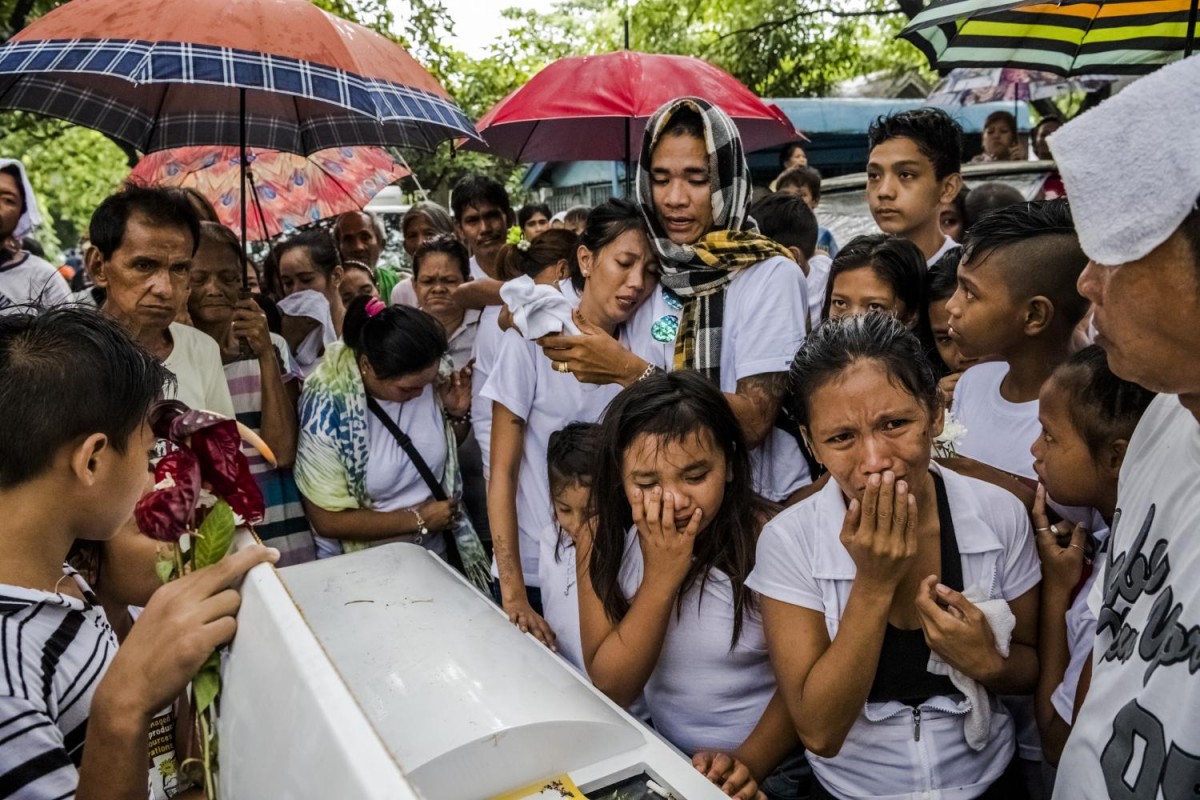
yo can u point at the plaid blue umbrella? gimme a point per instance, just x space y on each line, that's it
318 82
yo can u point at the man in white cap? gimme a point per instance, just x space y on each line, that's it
25 279
1137 734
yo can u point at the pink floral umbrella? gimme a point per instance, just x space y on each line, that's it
285 190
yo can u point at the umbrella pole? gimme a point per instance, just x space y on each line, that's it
244 169
262 220
628 155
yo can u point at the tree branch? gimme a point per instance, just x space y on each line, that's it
772 24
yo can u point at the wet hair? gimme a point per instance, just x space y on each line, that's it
605 224
674 407
15 173
471 190
218 234
161 207
446 245
1002 116
432 213
552 246
87 376
988 197
788 220
529 209
788 149
837 344
801 177
1102 407
897 262
318 244
684 122
396 341
936 134
576 215
1041 251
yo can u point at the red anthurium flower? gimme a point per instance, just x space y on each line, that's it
169 511
223 465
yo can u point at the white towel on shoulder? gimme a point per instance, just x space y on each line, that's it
537 310
1000 619
1130 164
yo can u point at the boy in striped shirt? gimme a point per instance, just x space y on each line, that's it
74 456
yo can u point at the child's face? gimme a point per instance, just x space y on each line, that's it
951 223
999 139
1061 457
693 470
939 319
985 318
572 509
860 291
903 191
121 480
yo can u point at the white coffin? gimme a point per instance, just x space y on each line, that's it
383 674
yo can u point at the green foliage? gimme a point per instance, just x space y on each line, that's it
207 683
71 168
215 535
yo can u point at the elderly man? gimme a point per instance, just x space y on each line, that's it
143 241
360 237
1137 734
25 279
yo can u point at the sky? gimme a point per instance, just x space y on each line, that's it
476 22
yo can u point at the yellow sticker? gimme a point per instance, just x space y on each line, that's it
560 787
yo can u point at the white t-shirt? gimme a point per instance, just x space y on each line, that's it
195 360
948 244
485 349
560 596
393 481
703 695
763 330
999 433
801 561
1081 635
29 280
819 267
1138 732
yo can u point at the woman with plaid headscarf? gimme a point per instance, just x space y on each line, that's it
742 296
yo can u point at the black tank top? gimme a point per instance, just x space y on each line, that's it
902 673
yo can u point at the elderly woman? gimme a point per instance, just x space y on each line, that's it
379 419
422 222
875 588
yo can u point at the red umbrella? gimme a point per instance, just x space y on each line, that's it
595 107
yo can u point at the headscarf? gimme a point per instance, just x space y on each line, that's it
30 218
699 273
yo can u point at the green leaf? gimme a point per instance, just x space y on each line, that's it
215 535
207 683
165 566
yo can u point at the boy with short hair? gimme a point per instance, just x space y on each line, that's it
788 219
805 182
913 171
74 710
1017 304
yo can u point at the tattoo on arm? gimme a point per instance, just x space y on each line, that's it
766 391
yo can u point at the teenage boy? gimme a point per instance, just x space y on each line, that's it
912 174
74 710
1138 733
787 219
1017 304
805 183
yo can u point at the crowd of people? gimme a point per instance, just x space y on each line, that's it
836 521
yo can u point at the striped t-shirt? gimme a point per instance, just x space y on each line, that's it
56 650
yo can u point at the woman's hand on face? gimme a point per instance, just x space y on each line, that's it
1062 553
726 771
439 514
956 630
250 323
521 614
456 391
666 550
593 356
880 533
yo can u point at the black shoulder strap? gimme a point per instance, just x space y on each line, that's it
435 486
952 572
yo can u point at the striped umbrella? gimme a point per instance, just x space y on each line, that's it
1070 38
